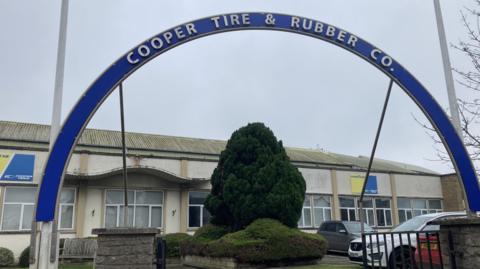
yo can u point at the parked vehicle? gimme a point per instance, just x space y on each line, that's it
340 233
399 245
428 255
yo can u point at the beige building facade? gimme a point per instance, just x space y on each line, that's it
168 180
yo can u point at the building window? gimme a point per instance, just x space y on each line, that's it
322 209
368 210
316 209
145 208
409 208
404 209
67 209
197 214
347 208
377 211
434 206
419 207
18 207
19 203
306 217
384 212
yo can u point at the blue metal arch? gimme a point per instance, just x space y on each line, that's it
149 49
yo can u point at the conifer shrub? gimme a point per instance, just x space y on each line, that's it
255 179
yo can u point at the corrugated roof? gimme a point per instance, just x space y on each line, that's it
15 134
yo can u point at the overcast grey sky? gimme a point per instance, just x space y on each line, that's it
312 94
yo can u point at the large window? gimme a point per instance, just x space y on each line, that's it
306 217
316 209
409 208
405 211
67 209
18 205
434 206
197 214
383 212
347 208
419 207
322 209
145 208
18 209
377 210
368 210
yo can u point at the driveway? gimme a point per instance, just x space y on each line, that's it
335 259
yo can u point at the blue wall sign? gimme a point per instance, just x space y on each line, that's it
371 187
162 42
16 166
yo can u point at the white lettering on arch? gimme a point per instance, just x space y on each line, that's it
130 60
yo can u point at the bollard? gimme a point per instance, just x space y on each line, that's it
161 253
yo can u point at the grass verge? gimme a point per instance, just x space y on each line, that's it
63 266
324 266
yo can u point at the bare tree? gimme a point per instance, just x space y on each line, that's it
469 109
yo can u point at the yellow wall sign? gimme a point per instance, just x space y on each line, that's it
357 184
4 160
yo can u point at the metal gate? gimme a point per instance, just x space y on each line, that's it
161 247
406 250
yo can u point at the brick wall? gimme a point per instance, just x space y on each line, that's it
452 193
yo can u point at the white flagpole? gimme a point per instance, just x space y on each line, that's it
447 69
48 245
452 97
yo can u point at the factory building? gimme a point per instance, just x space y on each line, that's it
168 180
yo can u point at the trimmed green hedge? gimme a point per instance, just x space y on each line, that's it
6 257
265 241
173 243
24 259
210 232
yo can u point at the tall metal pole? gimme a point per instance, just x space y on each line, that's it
124 158
48 245
370 162
447 68
452 97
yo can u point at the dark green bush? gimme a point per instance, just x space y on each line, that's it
255 179
210 232
6 257
24 258
265 241
173 242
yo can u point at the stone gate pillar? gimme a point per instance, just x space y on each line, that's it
460 243
125 248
